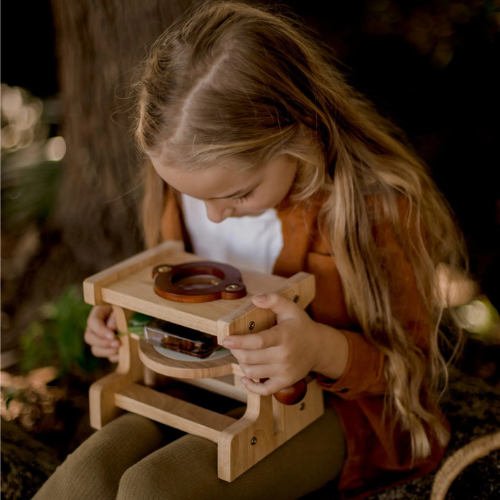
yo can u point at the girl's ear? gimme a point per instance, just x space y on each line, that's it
305 136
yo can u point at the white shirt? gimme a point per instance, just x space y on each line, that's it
252 243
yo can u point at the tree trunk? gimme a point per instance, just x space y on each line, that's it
99 46
96 222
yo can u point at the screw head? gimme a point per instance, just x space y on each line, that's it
251 325
164 269
232 287
295 298
253 441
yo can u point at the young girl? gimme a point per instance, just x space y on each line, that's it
263 157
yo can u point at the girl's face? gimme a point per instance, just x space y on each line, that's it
230 192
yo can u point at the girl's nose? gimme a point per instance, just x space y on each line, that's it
217 212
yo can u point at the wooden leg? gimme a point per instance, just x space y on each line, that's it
129 370
128 362
266 425
248 440
150 377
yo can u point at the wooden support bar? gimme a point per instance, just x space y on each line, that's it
92 286
171 411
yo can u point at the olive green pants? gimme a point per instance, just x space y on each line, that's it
133 458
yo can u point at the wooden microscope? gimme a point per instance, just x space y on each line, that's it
266 424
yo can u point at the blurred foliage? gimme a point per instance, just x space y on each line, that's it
28 193
57 338
31 167
31 400
481 320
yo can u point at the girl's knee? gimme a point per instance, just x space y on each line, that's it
131 483
143 481
167 474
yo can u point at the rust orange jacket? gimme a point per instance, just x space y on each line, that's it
377 456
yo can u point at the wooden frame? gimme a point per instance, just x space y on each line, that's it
266 424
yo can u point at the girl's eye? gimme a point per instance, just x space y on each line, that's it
241 199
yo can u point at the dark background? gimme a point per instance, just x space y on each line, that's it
448 111
430 65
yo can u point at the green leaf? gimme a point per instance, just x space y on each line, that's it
57 338
8 400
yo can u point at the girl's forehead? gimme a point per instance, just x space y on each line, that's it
216 181
227 179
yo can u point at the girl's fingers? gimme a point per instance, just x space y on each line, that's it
262 388
93 339
100 333
253 341
100 313
284 308
101 352
255 357
258 372
97 319
111 323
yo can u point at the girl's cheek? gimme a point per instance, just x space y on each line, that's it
256 206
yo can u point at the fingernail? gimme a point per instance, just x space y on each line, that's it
227 343
110 336
244 380
115 343
259 298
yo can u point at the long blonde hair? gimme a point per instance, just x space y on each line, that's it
232 81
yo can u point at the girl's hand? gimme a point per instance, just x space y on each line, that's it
101 333
284 354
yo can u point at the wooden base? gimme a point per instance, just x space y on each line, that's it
266 424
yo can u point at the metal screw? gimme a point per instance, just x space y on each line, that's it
295 298
232 287
253 441
164 269
251 325
302 406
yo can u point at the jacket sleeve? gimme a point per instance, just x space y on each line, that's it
364 373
